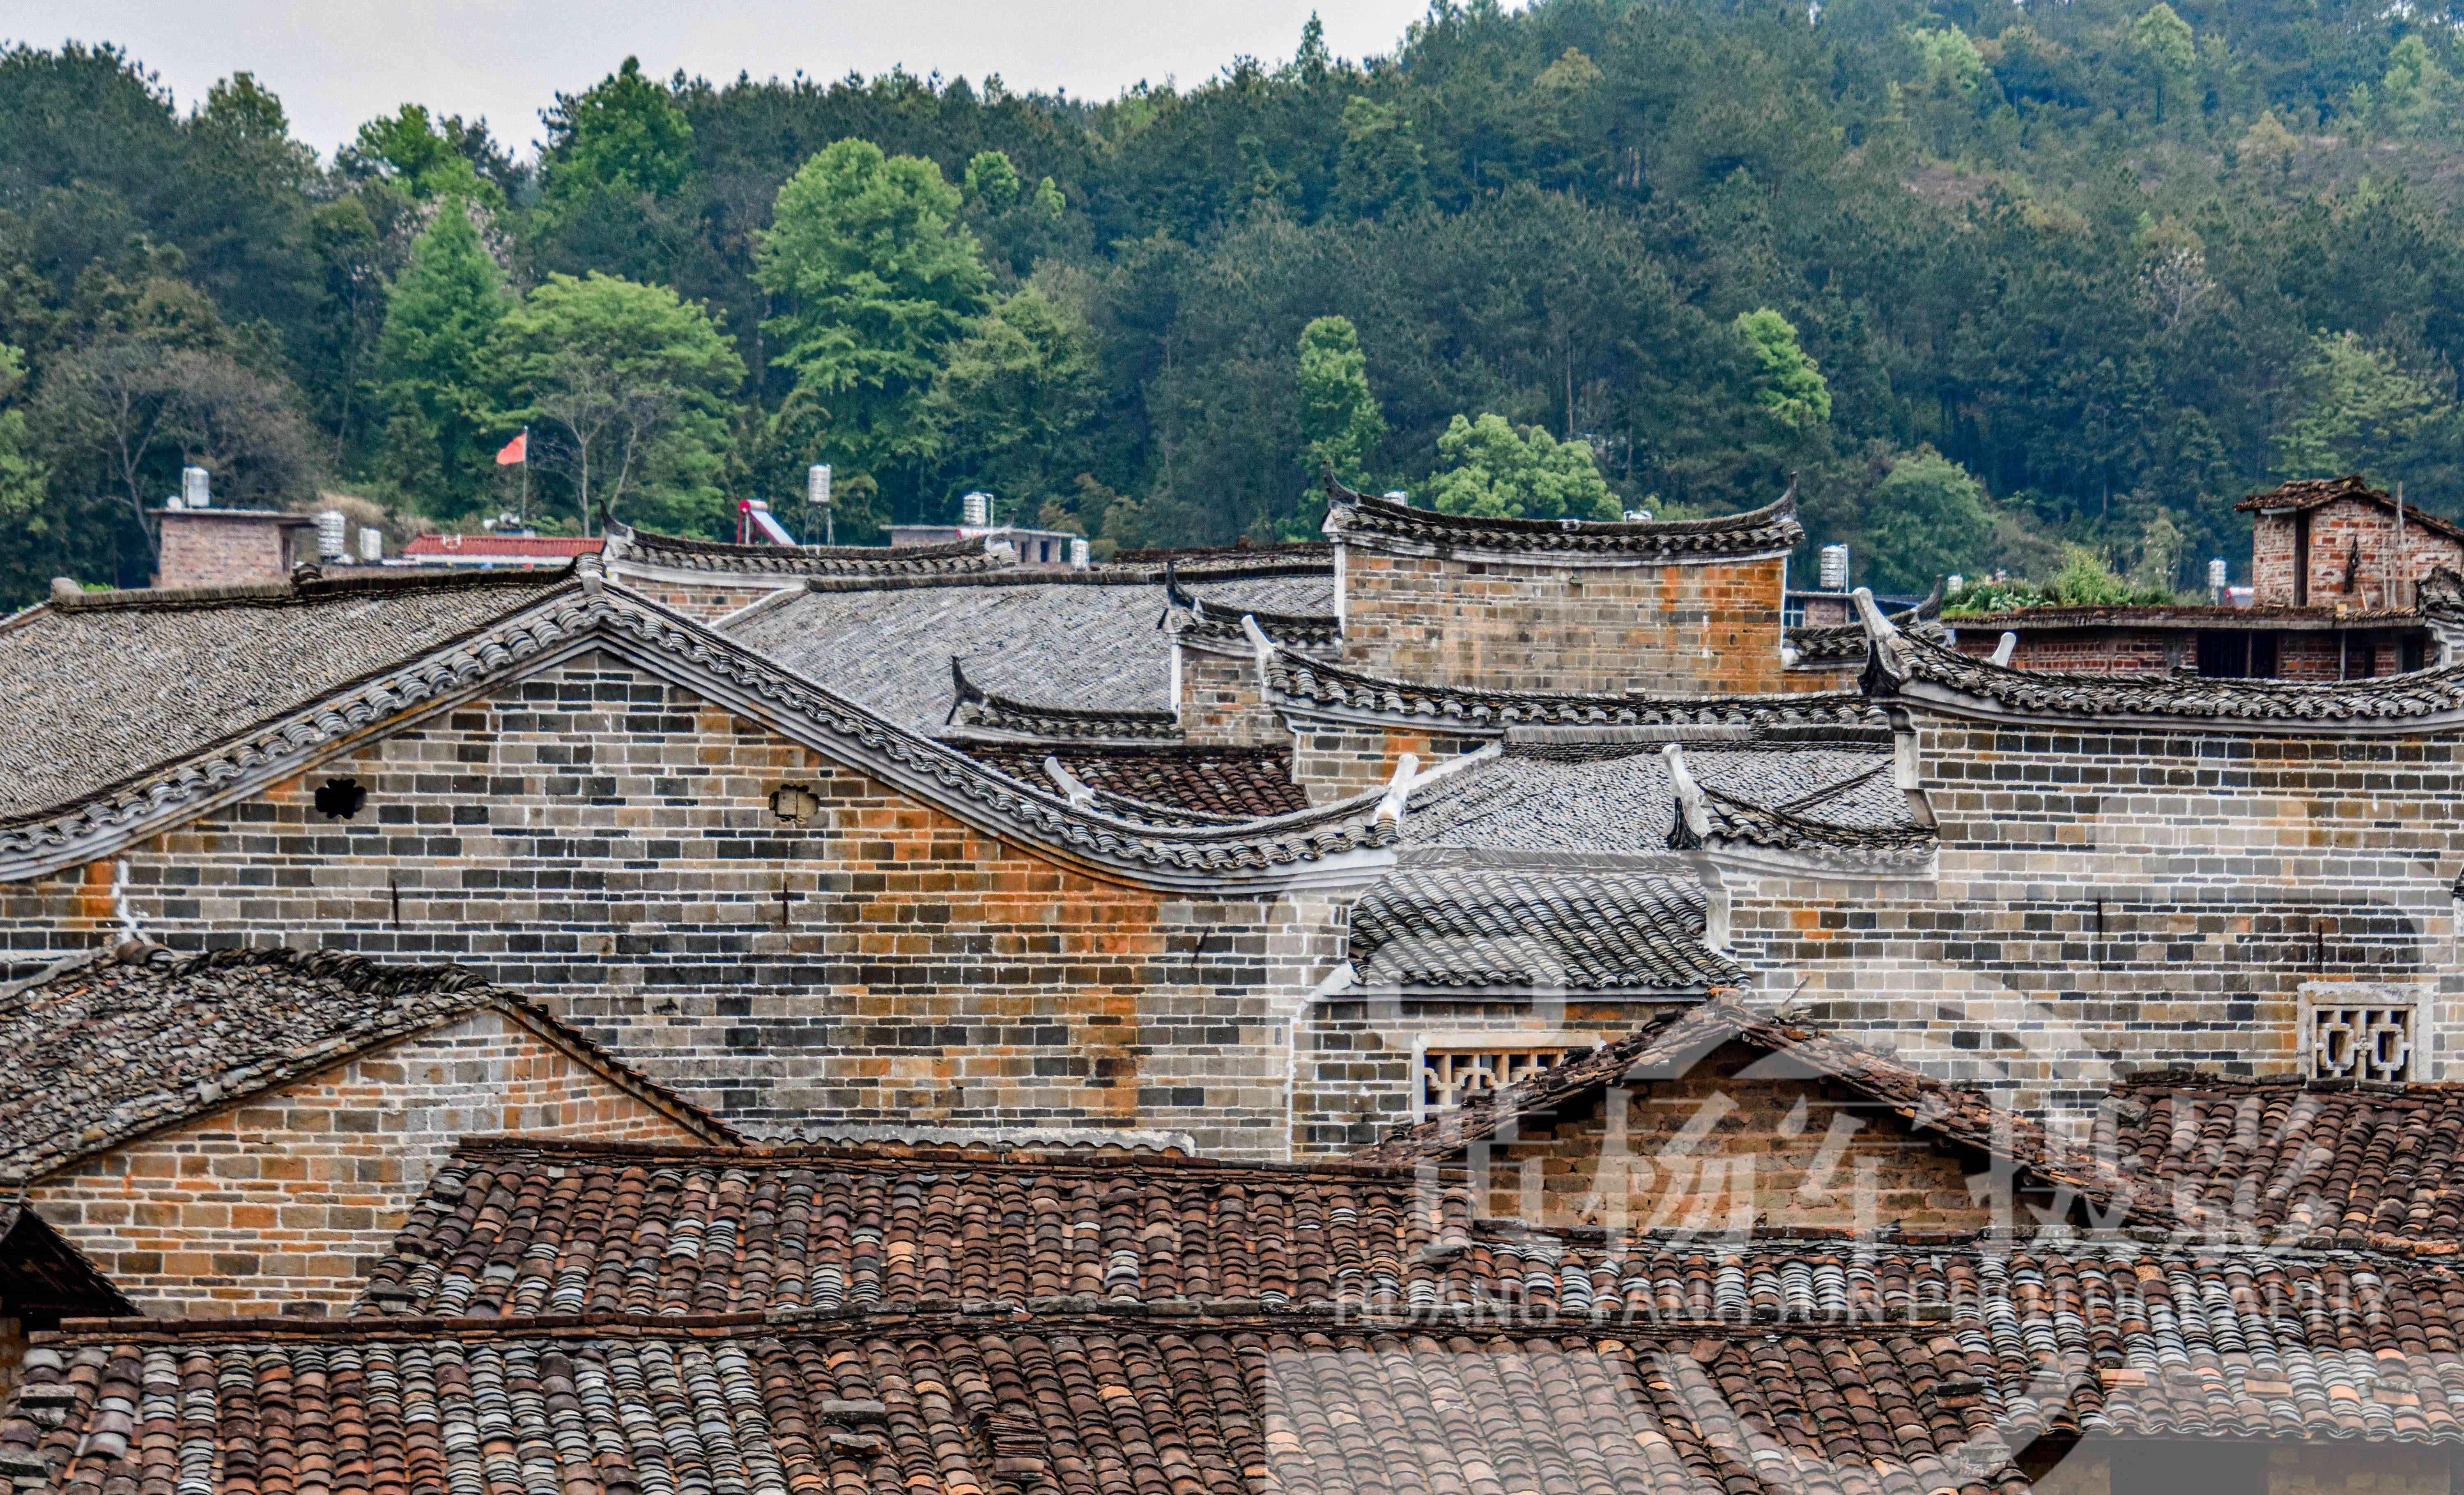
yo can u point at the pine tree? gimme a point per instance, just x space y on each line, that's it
1340 421
437 368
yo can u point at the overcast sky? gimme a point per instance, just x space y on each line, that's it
337 63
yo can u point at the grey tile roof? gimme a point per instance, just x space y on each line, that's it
1908 666
97 694
1619 798
685 650
1217 620
1536 929
109 1050
1237 783
672 552
1091 642
1358 519
1301 683
1844 642
2311 493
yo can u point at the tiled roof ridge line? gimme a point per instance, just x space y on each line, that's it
982 707
561 622
1768 826
299 591
934 1317
1300 682
864 1156
727 669
1094 575
689 545
1223 623
1908 666
1351 512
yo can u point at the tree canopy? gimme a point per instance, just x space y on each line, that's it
2117 262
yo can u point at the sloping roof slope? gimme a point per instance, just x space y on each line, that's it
1543 929
1089 643
1620 797
2312 492
1243 783
97 692
105 1053
2288 1162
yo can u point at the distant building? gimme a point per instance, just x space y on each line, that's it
232 547
1054 550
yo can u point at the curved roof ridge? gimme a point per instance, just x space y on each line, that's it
1906 663
1352 514
683 552
975 705
1306 683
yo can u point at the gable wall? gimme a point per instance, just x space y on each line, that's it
604 843
2126 900
294 1195
1337 761
1221 701
1711 629
1716 1150
713 597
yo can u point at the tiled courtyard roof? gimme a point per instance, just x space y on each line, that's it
1357 518
99 691
1473 927
109 1050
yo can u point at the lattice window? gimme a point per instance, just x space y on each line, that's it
1451 1075
2361 1041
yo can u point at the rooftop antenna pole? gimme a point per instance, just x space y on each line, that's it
526 484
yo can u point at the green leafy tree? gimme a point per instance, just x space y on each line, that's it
26 512
1785 379
1012 405
2415 96
626 137
435 359
427 156
878 281
1380 168
1927 518
1505 472
1340 422
992 181
629 387
2359 411
2164 39
1947 59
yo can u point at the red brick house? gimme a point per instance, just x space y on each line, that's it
244 1131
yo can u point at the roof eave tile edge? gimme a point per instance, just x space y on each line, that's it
1941 700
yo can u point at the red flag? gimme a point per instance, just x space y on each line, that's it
518 450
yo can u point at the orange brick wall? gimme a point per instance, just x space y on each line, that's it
1715 1150
210 549
1671 629
2335 529
291 1196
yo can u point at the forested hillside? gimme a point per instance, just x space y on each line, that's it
1988 279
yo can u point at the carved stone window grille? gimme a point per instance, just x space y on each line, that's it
2361 1040
1450 1076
